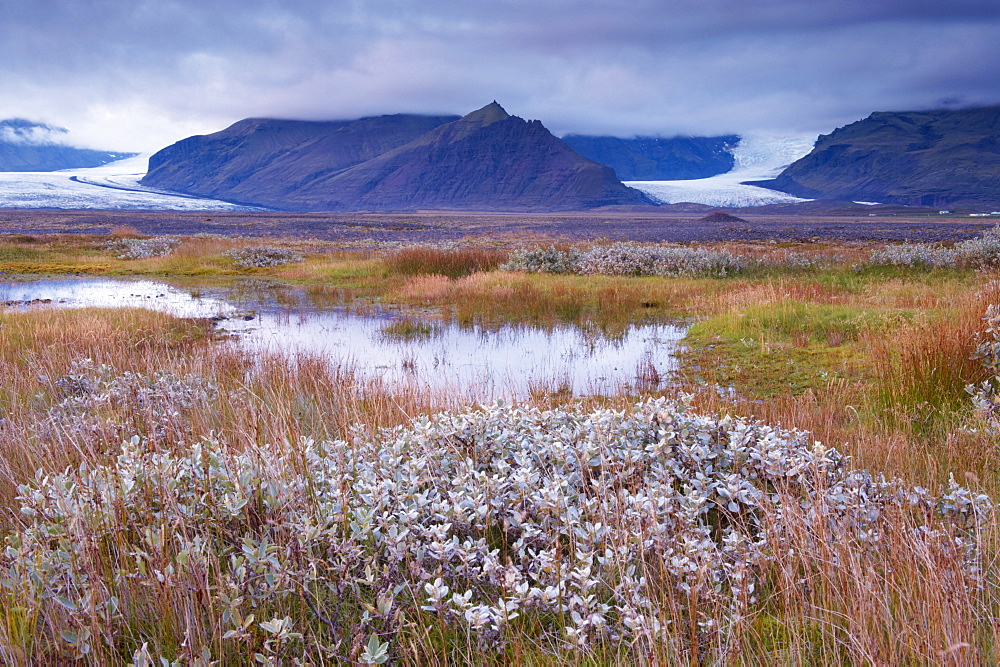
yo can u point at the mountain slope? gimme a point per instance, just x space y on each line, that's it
658 158
486 160
261 161
28 146
927 158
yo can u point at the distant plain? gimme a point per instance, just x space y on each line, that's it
679 223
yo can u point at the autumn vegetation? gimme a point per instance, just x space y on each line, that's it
166 495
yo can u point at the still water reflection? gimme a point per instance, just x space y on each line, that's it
510 361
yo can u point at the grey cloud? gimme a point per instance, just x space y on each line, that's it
140 73
21 131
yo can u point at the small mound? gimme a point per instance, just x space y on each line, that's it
721 216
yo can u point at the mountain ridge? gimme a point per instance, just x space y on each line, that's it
484 160
658 158
920 158
259 160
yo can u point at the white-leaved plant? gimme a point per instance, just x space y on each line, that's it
627 526
260 257
142 248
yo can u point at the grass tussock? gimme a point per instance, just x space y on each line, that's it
125 232
456 263
923 366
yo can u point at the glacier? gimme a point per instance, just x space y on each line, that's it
757 157
111 186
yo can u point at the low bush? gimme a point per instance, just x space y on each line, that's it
263 257
97 399
652 530
632 259
629 259
982 252
141 248
543 260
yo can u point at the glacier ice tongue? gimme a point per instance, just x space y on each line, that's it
757 157
111 186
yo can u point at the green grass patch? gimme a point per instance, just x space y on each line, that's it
768 350
18 254
794 322
55 268
408 328
864 276
762 371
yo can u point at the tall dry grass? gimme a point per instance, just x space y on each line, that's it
156 367
835 598
451 263
926 363
125 232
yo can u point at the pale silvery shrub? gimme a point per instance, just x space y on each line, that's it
90 395
628 259
633 259
915 255
260 257
477 517
982 252
986 395
142 248
543 260
796 260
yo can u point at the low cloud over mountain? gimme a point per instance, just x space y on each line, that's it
28 146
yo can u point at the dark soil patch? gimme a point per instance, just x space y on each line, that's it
722 216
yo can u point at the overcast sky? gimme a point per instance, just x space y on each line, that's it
140 74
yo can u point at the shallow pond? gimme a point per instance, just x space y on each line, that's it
511 361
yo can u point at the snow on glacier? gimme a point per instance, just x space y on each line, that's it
757 157
111 186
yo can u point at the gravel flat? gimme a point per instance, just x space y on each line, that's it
353 229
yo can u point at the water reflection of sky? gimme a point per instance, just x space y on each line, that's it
475 362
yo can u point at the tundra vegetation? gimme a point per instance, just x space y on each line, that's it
816 483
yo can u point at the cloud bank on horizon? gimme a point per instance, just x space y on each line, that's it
140 74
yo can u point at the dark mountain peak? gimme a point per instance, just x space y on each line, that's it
489 114
486 160
260 160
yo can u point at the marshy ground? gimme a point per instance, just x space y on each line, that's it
256 509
